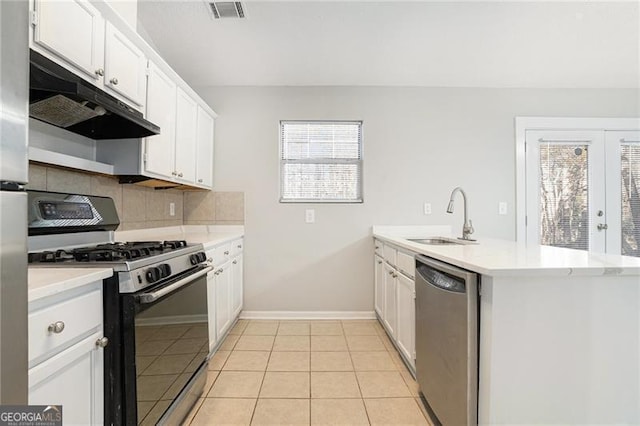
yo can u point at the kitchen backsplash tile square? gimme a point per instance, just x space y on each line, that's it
62 180
229 206
141 207
37 177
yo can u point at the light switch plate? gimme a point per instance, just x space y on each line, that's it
427 208
502 208
172 209
310 216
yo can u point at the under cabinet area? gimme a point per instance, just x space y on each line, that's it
394 297
224 289
66 356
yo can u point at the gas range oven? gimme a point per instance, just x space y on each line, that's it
155 305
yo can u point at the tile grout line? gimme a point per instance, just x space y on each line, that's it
357 381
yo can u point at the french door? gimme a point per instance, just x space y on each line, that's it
583 190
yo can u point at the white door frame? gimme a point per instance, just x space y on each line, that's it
522 124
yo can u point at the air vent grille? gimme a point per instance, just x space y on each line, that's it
227 9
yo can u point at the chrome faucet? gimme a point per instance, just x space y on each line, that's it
467 227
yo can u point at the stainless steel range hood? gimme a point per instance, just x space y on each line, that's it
63 99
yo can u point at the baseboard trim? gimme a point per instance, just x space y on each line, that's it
306 315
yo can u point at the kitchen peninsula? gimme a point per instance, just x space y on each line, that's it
558 332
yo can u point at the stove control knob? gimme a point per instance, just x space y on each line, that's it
153 275
202 257
193 259
165 270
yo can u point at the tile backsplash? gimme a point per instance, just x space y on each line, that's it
140 207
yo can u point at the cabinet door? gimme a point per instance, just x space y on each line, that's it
186 122
378 287
204 137
237 288
72 31
389 317
223 299
74 379
161 110
211 309
125 67
406 313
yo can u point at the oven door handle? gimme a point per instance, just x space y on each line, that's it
151 297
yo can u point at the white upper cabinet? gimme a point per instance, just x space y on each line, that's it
186 129
159 155
204 138
125 67
73 31
74 34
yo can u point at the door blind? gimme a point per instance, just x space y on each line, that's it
321 161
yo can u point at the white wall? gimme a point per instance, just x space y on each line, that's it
419 143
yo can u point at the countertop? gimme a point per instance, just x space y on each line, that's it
507 258
43 282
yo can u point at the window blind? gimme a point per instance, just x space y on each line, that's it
630 197
321 161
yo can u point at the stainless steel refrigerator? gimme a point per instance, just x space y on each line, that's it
14 163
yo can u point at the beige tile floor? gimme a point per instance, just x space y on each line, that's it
308 372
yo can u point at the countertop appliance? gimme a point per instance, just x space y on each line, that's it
59 97
155 305
14 95
447 340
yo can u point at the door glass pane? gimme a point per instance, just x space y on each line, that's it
630 186
564 195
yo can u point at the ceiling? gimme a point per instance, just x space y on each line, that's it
377 43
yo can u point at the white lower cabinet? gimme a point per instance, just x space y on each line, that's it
406 324
390 309
378 285
223 299
237 291
66 356
73 379
224 289
394 297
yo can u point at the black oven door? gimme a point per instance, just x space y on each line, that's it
165 336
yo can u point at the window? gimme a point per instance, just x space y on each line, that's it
321 161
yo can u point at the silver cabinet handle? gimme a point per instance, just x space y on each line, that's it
210 260
240 246
379 262
235 262
174 173
114 81
390 272
100 72
56 327
180 174
102 342
199 180
395 275
377 247
603 227
226 253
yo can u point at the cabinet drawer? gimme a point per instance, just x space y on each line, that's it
389 254
406 263
237 246
377 245
222 254
80 314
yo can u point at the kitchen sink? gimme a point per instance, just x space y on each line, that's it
439 241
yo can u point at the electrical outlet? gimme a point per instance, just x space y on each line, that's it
310 216
502 207
172 209
427 208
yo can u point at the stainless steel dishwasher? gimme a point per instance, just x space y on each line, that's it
447 340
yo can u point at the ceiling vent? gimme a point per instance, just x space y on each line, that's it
227 9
